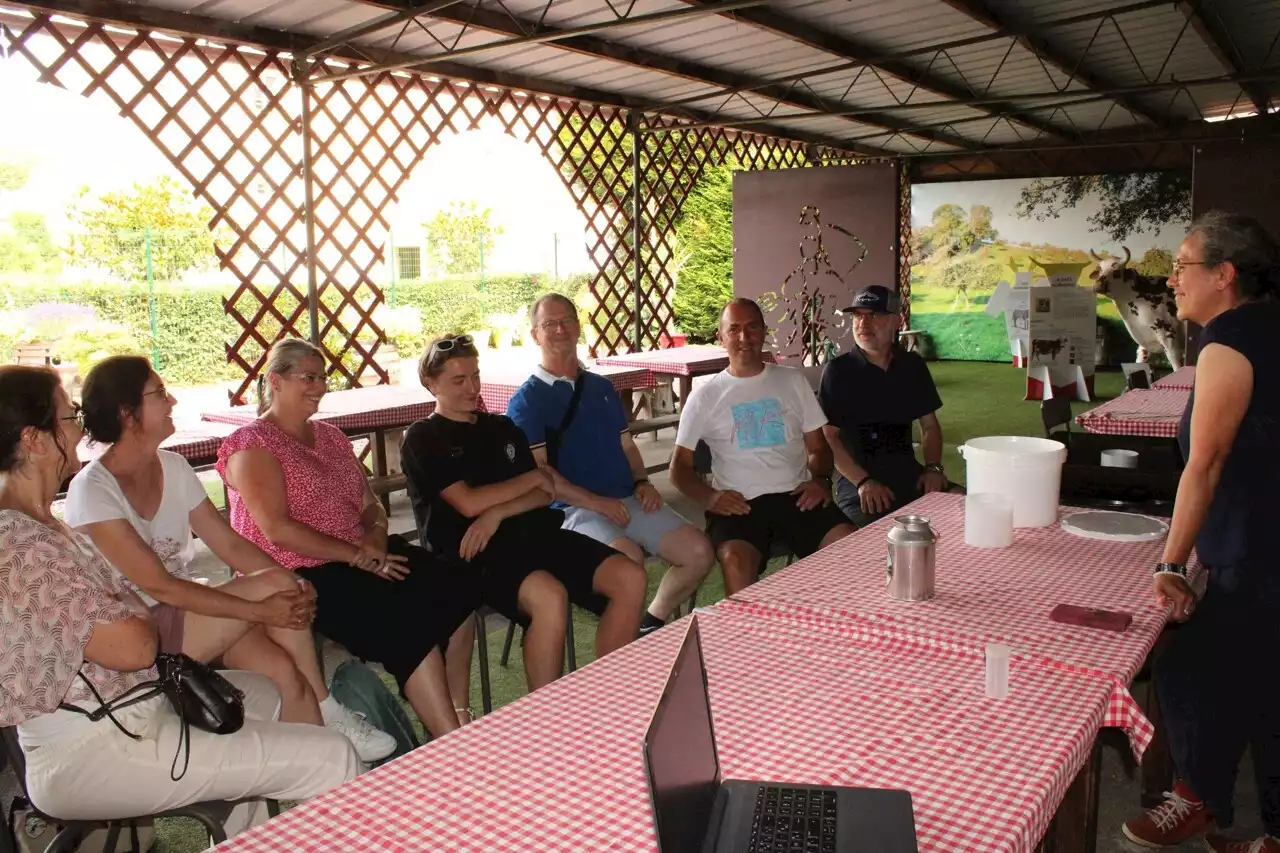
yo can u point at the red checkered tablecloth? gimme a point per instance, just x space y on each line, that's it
1153 412
498 387
373 408
696 360
984 594
562 769
198 445
1184 378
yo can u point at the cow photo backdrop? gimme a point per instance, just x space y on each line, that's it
968 237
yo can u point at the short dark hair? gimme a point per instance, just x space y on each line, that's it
433 360
113 389
744 302
26 400
1246 244
550 297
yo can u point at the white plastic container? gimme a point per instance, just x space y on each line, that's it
1116 458
997 670
988 521
1026 470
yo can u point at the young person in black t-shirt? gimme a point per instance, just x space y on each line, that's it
477 493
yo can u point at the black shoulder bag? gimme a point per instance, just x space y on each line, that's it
198 694
555 434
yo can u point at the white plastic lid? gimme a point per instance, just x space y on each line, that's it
1114 526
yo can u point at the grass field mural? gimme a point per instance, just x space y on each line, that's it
969 236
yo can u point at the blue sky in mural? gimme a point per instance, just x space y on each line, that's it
1070 230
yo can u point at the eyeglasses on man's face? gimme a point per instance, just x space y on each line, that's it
1179 265
567 324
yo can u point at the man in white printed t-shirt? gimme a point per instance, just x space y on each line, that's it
769 459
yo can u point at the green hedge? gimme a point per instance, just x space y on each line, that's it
193 329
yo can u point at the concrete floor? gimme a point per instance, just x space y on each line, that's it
1119 799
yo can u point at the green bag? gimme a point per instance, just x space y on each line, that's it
359 688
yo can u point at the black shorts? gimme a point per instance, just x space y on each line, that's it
851 505
776 518
517 551
394 623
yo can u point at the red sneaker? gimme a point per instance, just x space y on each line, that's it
1219 844
1180 818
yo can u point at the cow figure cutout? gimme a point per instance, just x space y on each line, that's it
1146 306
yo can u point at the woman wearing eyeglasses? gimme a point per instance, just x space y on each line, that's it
140 505
478 493
298 492
1215 679
72 632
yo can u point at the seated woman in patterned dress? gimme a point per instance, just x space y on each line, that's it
298 492
140 505
71 630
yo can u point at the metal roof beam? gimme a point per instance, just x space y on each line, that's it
837 45
1216 37
370 27
151 18
980 12
598 48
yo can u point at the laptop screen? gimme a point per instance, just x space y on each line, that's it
680 750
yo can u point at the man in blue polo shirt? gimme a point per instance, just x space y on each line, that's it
603 486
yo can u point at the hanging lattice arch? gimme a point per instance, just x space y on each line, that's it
228 117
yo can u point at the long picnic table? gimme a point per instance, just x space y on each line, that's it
682 363
815 677
1183 379
562 769
1150 412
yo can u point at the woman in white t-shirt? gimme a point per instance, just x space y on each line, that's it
140 505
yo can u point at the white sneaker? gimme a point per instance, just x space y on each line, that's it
371 744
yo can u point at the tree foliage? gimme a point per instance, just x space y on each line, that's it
14 173
967 272
117 231
460 236
1157 262
27 245
952 231
1135 203
705 230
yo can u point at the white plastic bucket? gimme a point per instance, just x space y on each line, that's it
1026 470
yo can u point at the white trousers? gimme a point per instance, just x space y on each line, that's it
105 775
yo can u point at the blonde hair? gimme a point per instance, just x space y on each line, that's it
284 355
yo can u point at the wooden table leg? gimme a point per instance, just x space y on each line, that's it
1075 825
686 388
380 464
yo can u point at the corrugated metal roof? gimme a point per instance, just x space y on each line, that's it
769 48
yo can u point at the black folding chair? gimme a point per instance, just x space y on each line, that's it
1055 414
71 832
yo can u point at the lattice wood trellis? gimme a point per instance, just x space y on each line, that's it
229 119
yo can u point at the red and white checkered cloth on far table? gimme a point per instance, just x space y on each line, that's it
497 389
984 595
697 360
563 768
373 408
1183 378
1153 412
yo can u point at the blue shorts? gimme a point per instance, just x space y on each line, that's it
646 528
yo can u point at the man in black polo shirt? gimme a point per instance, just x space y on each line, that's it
871 395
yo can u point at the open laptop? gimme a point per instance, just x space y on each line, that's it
695 811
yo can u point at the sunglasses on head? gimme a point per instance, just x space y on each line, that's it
448 344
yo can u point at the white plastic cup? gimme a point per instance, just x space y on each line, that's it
1026 470
988 521
997 670
1117 458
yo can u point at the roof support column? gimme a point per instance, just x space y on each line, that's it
301 75
637 227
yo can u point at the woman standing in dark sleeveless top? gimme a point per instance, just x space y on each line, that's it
1216 682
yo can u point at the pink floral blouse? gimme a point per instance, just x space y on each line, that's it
53 591
323 484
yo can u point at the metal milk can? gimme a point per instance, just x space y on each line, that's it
911 559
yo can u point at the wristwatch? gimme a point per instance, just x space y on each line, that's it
1179 569
936 467
639 481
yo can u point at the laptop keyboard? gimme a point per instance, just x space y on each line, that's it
794 820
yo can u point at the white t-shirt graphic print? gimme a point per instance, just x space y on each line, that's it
755 428
94 495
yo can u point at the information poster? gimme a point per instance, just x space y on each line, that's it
1063 331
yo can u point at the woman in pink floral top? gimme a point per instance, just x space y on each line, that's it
297 491
69 622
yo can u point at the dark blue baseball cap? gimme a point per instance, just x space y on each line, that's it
875 298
